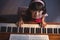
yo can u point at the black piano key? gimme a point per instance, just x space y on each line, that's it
55 30
20 30
59 30
26 30
15 29
49 30
43 30
38 30
3 29
32 30
8 29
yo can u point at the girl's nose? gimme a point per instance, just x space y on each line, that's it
37 13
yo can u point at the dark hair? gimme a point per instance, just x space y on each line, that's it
36 6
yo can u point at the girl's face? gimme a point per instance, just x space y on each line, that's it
36 14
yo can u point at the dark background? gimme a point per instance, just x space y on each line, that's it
9 9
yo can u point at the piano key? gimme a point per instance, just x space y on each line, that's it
41 30
15 29
26 30
49 30
52 30
8 29
59 30
44 30
11 29
29 30
20 30
55 30
3 29
23 29
38 30
32 30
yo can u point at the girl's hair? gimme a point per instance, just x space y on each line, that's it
35 6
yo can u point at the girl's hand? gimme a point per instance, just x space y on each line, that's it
44 24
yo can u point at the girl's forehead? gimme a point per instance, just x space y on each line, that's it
39 12
36 10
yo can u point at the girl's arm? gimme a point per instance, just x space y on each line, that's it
43 22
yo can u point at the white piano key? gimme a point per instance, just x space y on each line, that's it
53 30
18 30
23 29
11 29
41 30
46 30
57 31
6 29
34 30
29 30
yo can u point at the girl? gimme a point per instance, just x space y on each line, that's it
35 14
